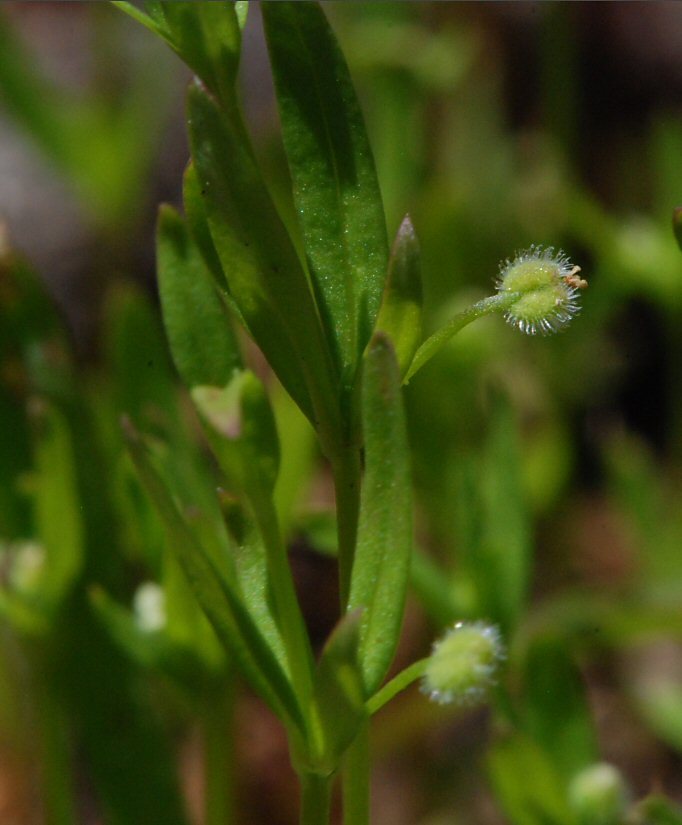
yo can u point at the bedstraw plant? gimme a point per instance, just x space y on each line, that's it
337 316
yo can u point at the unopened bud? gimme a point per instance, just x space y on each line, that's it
149 606
27 566
598 795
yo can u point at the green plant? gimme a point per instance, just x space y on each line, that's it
148 581
341 331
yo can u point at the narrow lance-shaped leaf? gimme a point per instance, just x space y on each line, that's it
382 560
264 275
339 688
195 215
152 650
151 17
252 573
332 169
185 623
206 36
201 340
401 308
556 713
241 429
541 802
57 508
230 619
30 337
505 550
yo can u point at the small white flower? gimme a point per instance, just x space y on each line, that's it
549 285
598 794
149 607
28 564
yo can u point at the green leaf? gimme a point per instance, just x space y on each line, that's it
186 625
433 587
263 273
332 169
242 432
299 457
206 36
153 22
659 702
657 810
556 713
384 546
34 360
493 522
154 9
241 8
339 689
26 618
241 429
144 386
123 740
57 504
507 534
401 308
153 651
195 215
202 343
252 573
224 608
541 801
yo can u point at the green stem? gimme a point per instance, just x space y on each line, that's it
495 303
355 779
315 799
217 723
347 472
288 611
400 682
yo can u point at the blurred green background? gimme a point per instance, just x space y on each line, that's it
548 471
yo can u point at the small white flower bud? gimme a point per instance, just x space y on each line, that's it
463 664
149 606
598 795
27 566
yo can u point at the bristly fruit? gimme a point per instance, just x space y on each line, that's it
549 285
463 664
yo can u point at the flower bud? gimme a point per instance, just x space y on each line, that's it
463 664
598 795
548 285
149 607
27 565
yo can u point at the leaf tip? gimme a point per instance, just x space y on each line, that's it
406 230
